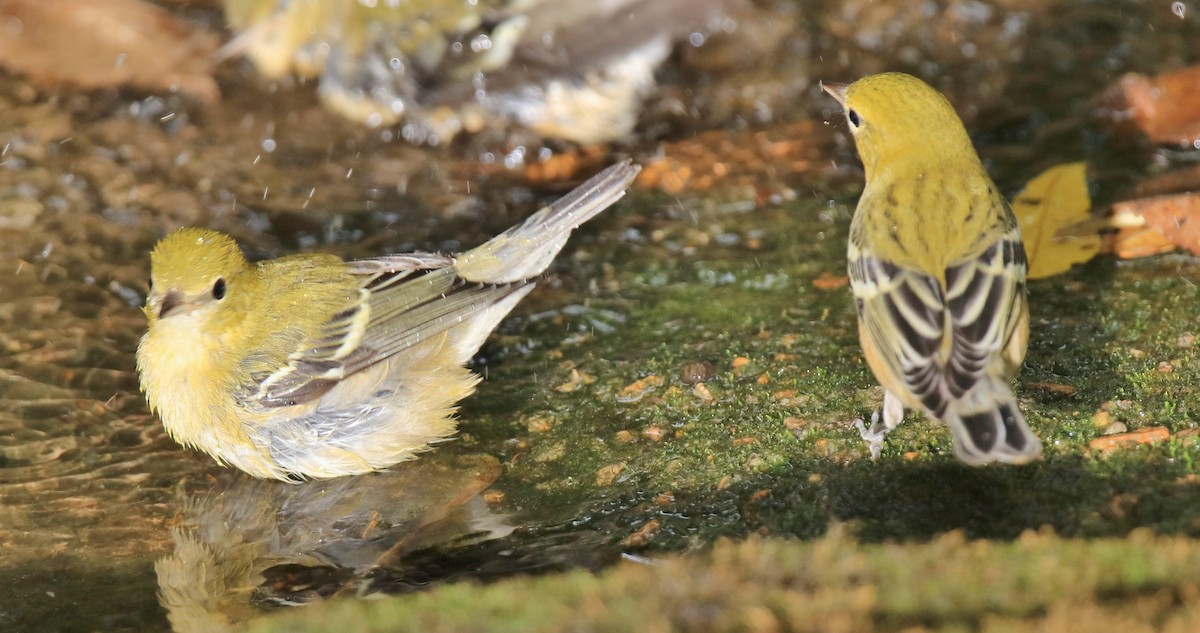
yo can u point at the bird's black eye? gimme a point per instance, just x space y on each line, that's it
219 289
855 121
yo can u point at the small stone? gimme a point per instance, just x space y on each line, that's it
626 436
697 372
643 535
540 424
1115 428
492 497
635 390
654 433
551 453
607 475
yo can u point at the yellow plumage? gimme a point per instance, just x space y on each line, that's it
310 366
938 272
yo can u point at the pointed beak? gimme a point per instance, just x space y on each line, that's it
835 90
165 304
170 302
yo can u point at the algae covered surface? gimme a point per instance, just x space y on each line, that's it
664 436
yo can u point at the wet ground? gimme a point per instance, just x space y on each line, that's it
689 371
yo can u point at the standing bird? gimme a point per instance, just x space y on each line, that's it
309 366
938 272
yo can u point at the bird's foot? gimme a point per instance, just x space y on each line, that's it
873 435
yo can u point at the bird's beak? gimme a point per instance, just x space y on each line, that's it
160 305
835 90
169 303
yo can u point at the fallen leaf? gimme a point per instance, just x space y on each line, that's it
574 381
540 423
1168 222
760 161
1055 388
106 43
1165 107
1057 198
654 433
642 536
1108 443
638 388
702 391
1140 242
607 475
830 281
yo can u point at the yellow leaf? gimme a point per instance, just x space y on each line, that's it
1056 199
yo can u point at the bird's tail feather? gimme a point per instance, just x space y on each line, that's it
988 427
526 250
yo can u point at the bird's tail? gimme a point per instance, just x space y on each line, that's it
526 250
988 427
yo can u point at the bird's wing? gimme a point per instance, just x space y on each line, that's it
933 345
402 301
986 298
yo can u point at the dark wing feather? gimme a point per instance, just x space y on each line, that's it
938 343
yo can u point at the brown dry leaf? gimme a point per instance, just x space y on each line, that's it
1109 443
643 535
762 160
1167 222
1138 242
106 43
1054 388
607 475
1056 199
638 388
574 381
830 281
1165 107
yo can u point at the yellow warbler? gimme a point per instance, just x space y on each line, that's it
309 366
938 272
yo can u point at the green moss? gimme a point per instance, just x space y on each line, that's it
596 457
775 448
831 583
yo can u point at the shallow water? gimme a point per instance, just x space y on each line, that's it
552 469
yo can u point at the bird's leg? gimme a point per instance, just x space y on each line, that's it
884 419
